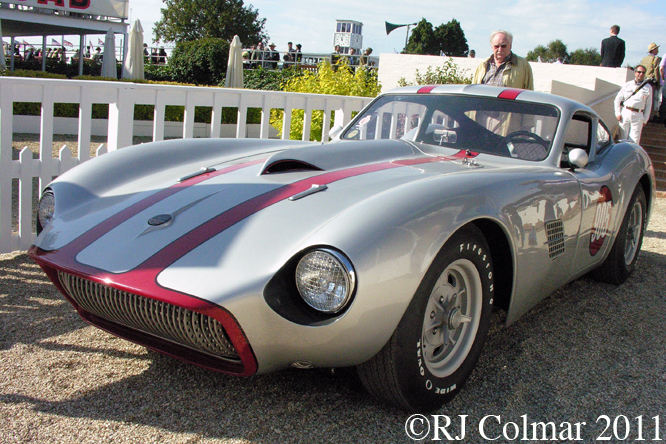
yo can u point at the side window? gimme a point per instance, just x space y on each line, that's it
579 132
578 135
603 137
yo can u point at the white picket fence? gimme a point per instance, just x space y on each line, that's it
121 98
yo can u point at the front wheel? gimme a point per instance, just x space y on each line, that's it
440 337
624 254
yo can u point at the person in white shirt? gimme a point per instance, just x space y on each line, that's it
632 106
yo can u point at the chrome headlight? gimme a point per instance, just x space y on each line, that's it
325 280
46 208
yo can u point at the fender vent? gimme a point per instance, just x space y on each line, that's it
555 233
289 166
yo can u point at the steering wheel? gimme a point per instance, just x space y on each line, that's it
526 138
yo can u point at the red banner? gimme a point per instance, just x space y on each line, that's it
107 8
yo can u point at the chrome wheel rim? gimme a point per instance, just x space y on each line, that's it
452 318
634 230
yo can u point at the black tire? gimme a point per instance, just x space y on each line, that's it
627 246
422 367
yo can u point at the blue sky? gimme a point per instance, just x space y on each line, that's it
578 23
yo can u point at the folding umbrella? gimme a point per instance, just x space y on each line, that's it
133 68
109 61
235 66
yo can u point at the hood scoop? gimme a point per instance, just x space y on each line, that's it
336 156
288 166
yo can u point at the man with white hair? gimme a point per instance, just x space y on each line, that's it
503 67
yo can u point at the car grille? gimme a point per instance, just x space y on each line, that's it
555 232
179 325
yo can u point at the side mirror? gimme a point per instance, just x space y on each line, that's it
578 158
335 131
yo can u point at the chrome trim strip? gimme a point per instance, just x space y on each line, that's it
314 189
197 173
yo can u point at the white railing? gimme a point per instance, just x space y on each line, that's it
121 98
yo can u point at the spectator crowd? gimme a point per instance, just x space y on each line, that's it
258 56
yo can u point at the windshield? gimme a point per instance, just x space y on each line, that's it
501 127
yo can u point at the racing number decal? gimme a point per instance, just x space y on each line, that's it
602 219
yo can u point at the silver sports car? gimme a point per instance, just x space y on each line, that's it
386 249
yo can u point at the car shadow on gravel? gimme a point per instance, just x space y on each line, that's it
655 234
31 309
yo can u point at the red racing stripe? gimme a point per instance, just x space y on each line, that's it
112 222
426 89
510 94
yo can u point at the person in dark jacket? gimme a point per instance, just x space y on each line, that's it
612 49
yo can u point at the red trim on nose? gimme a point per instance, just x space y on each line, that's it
426 89
510 94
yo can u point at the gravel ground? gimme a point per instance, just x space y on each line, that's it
23 140
588 350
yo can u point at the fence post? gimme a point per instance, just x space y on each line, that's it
307 120
188 119
85 122
216 117
46 170
29 168
121 120
241 122
158 115
6 115
286 119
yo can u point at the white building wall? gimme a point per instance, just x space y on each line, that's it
392 67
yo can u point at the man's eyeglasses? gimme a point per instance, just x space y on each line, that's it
640 72
500 46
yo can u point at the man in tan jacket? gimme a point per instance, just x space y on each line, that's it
504 68
651 63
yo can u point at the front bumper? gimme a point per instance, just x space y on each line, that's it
186 328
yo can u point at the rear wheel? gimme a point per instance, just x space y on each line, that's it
623 256
440 337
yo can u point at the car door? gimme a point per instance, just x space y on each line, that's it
599 189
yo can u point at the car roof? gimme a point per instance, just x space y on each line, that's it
496 92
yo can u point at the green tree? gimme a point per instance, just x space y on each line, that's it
343 82
189 20
203 62
422 40
549 54
590 57
540 52
557 49
451 39
269 80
